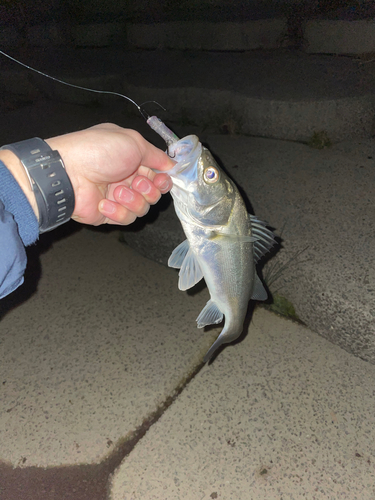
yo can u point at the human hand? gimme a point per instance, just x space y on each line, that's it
110 169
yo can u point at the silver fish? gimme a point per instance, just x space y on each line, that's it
224 242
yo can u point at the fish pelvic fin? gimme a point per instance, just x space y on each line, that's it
265 238
228 334
209 315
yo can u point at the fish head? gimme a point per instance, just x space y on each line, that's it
201 188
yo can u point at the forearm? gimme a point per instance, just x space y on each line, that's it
18 224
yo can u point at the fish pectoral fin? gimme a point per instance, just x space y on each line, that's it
209 315
190 272
259 292
178 255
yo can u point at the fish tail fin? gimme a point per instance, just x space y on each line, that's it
228 334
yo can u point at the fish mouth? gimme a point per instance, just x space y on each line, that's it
183 147
185 152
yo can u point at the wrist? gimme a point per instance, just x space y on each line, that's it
49 182
15 167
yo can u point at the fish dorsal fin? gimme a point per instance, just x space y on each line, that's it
209 315
190 272
178 255
259 292
265 239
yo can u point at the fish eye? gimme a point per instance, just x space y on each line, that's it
211 175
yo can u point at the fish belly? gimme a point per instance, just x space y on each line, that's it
230 283
228 269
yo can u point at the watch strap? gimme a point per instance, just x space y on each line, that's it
48 179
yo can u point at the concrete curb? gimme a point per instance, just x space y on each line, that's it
325 36
193 35
340 37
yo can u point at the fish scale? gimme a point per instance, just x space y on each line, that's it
233 287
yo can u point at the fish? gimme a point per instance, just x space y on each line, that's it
223 241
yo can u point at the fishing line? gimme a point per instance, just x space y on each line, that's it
139 107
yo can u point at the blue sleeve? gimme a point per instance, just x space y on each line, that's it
18 228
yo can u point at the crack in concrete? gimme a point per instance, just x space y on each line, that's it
79 482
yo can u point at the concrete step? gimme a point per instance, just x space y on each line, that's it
340 32
336 36
317 36
276 94
202 35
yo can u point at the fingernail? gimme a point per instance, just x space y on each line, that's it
143 186
164 186
107 206
126 195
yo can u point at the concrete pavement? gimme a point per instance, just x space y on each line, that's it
283 415
90 356
94 355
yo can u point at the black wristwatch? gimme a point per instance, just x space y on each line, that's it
48 179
